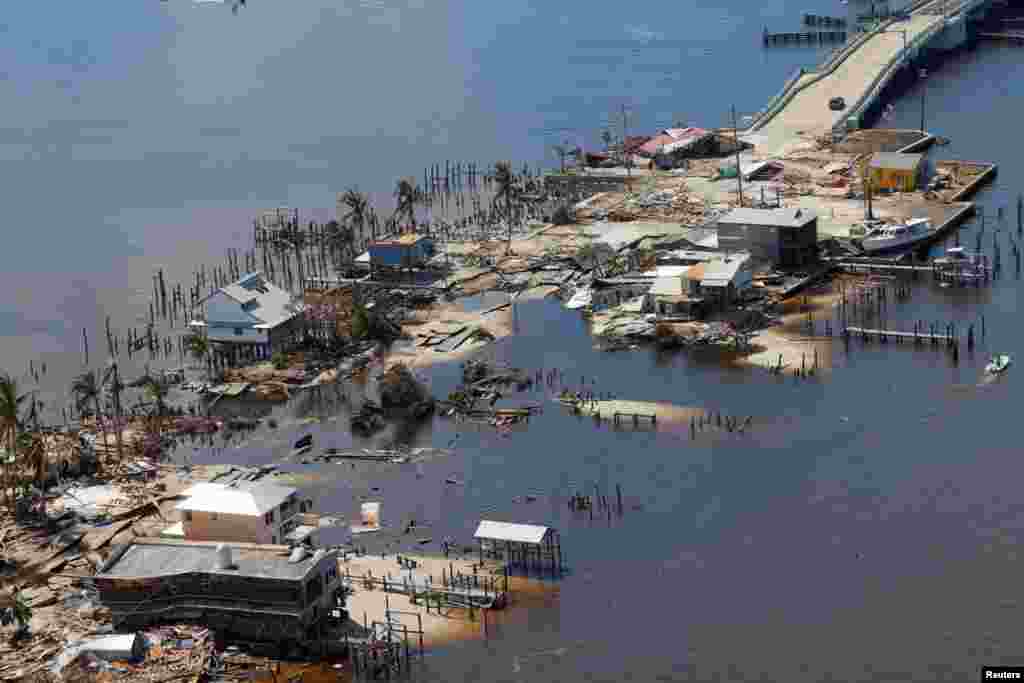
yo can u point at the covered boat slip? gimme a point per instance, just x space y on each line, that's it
528 546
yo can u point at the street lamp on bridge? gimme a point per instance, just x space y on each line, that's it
923 73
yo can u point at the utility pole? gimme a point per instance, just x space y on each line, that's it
625 156
924 88
736 138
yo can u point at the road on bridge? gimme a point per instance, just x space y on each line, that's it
808 111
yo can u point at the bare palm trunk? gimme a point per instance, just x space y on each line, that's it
106 445
117 415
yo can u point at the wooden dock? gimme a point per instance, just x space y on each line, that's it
804 38
867 333
983 172
1006 36
331 283
818 20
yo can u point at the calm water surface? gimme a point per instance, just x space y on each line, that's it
866 527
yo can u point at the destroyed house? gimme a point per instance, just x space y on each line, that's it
675 297
786 238
260 593
610 292
724 280
257 513
250 312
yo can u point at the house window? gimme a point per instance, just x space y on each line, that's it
239 331
269 517
188 515
273 540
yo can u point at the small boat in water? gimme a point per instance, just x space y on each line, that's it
901 236
999 364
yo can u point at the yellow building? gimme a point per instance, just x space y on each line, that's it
895 171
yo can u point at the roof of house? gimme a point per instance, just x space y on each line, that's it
146 557
407 239
507 531
774 218
654 145
667 271
684 137
688 255
635 142
667 286
619 235
267 302
230 500
721 272
696 272
896 160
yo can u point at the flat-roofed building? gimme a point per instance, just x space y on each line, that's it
264 593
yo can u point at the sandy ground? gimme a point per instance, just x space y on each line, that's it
665 412
789 340
452 624
499 323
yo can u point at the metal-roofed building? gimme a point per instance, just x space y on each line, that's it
895 171
246 591
403 251
251 311
725 279
528 545
786 238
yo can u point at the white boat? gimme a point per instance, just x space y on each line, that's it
999 364
581 298
901 236
958 256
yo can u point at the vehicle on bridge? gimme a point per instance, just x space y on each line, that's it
837 104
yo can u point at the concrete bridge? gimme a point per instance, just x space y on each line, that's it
859 73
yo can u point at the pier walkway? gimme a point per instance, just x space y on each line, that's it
858 78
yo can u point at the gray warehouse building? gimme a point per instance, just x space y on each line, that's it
787 238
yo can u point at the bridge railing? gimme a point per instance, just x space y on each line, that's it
831 63
827 67
885 75
777 98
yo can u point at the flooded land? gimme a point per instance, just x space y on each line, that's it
706 395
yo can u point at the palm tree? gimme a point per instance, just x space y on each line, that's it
505 183
112 378
10 403
357 214
87 391
563 150
405 200
196 344
33 444
156 390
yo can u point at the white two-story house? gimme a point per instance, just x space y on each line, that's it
259 513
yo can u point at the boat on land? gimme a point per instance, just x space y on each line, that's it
999 364
901 236
581 298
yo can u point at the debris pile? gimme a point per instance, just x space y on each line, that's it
401 391
368 420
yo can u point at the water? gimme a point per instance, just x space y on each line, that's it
867 525
148 135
